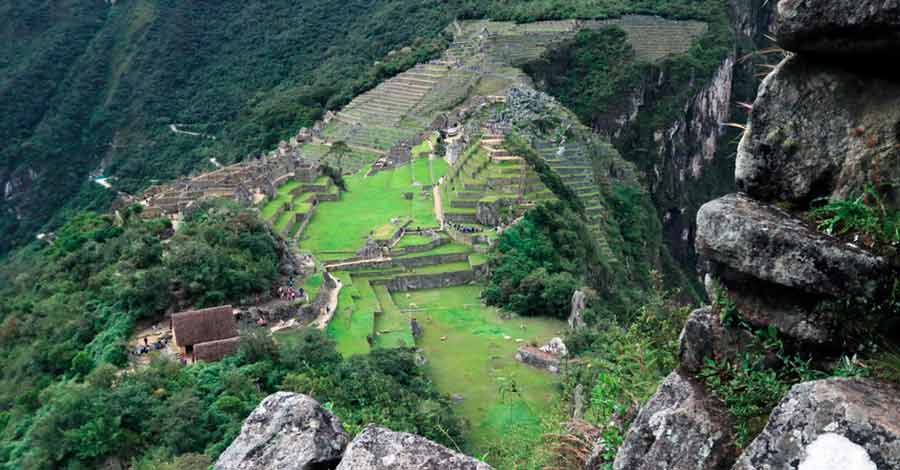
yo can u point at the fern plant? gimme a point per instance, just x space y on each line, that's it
865 215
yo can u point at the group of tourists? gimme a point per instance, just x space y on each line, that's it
464 229
291 293
147 347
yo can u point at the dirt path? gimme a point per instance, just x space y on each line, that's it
438 205
174 128
324 317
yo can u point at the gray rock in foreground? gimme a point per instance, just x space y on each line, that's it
377 448
704 337
679 428
839 26
287 431
771 245
832 424
817 130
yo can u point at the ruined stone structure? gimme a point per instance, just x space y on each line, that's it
247 183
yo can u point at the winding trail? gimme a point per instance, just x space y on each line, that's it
331 306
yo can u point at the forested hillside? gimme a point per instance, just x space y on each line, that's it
88 87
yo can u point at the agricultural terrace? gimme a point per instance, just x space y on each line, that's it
408 280
469 349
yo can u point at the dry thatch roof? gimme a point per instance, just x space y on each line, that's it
215 350
209 324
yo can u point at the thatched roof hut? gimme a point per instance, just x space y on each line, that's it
199 326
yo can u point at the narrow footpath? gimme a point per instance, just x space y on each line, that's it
331 306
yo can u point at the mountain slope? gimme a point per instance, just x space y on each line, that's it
93 87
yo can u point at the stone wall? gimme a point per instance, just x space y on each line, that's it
420 248
426 281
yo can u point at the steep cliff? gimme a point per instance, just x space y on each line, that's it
667 116
801 266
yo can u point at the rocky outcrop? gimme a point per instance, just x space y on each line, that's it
535 357
290 431
819 129
777 269
830 424
771 245
287 431
839 26
705 337
680 428
576 314
377 448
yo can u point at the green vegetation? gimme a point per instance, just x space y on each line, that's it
619 364
69 307
340 228
865 215
91 82
469 354
167 409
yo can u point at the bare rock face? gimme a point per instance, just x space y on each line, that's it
377 448
576 314
819 130
287 431
832 424
839 26
704 337
679 428
769 244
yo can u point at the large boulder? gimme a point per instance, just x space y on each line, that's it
377 448
839 26
287 431
705 337
800 316
819 130
769 244
680 428
536 357
832 424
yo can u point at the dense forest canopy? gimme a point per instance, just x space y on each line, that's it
90 86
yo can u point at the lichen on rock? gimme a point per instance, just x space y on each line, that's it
859 419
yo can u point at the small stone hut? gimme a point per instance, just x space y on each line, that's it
208 334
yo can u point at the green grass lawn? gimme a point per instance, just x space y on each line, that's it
286 188
283 220
355 316
477 259
477 361
439 168
272 206
343 226
444 249
412 239
440 268
421 168
391 326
